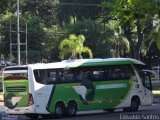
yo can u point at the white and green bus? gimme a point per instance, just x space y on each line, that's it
63 88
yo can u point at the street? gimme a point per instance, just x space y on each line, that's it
145 112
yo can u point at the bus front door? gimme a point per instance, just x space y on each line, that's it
147 88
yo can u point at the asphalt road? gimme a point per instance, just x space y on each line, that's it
144 113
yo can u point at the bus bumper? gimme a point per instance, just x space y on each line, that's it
19 110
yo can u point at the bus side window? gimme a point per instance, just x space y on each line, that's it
40 76
52 77
98 74
126 72
119 72
77 75
113 73
87 78
36 75
67 76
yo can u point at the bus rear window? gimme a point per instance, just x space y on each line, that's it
15 76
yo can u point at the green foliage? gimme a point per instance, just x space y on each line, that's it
35 36
73 45
118 39
97 36
135 18
52 37
79 10
158 40
46 10
49 21
34 56
115 26
4 35
3 5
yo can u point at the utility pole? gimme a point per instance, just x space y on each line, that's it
18 36
18 41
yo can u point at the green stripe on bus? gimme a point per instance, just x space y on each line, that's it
101 63
50 100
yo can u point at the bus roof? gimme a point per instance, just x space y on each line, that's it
130 60
82 62
101 62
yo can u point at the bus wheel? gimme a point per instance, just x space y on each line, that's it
33 116
134 105
71 109
59 110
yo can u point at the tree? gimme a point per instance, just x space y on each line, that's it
3 5
118 41
35 35
135 18
156 32
97 36
78 10
52 37
44 9
4 34
74 45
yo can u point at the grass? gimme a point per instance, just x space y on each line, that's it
156 94
1 96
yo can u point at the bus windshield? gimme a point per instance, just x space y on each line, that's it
144 76
15 76
15 73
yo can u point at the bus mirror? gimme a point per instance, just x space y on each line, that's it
151 72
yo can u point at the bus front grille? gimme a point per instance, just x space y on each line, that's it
16 89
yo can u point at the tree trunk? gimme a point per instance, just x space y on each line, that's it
135 47
135 52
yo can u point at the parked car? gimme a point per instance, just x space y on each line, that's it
2 63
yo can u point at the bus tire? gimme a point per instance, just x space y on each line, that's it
134 104
59 110
71 109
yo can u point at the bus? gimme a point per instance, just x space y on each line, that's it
63 88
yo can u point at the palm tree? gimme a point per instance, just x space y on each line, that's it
73 46
119 41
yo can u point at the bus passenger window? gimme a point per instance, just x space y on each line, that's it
87 80
67 76
77 75
98 75
119 72
40 76
52 77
